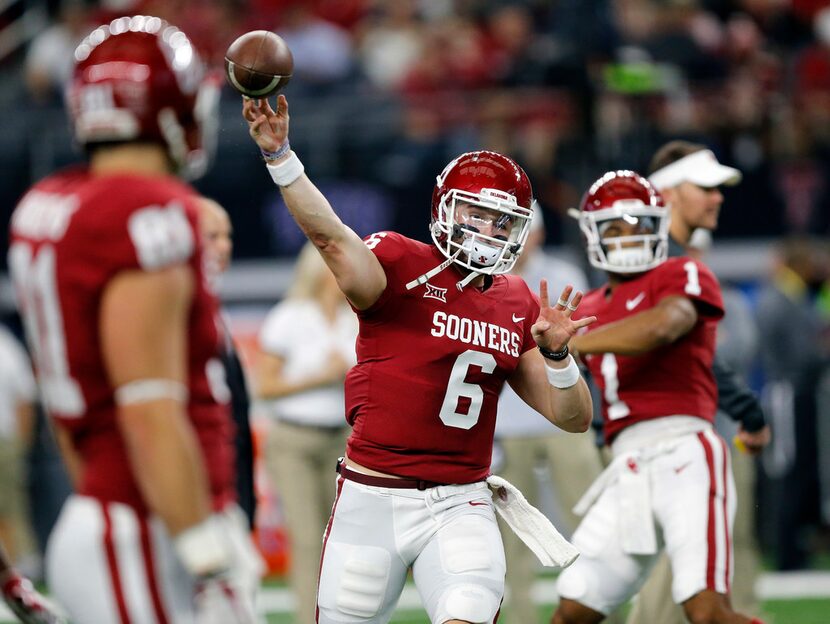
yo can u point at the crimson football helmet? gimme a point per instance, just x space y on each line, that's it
140 79
501 190
626 196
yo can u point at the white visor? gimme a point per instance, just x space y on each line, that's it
700 168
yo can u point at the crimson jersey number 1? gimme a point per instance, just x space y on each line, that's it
35 283
457 388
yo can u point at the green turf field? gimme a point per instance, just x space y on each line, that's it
796 610
775 612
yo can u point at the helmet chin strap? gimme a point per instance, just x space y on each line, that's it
470 277
418 281
432 272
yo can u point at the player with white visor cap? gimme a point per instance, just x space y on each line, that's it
700 168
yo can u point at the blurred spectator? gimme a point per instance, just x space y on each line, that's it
307 343
528 441
670 32
51 55
212 25
453 59
18 394
412 158
345 13
323 54
811 103
390 42
794 360
746 88
217 237
513 59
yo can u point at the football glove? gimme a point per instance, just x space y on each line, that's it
27 604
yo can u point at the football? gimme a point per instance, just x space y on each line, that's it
258 64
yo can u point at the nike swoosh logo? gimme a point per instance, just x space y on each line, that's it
518 319
475 504
633 303
680 469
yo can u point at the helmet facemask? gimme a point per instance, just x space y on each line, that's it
631 253
488 241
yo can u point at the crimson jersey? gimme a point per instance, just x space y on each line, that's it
70 235
675 379
431 364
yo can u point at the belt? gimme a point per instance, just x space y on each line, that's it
387 482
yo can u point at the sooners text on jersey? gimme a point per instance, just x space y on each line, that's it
675 379
431 364
71 234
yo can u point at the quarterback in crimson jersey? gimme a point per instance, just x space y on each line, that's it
470 338
441 329
670 484
107 266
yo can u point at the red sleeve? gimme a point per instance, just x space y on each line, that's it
389 249
692 279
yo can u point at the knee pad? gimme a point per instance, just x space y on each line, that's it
354 580
471 603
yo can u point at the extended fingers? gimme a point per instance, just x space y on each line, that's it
564 298
282 106
249 110
544 302
254 107
573 304
584 322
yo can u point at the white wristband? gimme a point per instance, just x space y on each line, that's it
287 171
146 390
563 377
202 548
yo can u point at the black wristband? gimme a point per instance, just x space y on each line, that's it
556 356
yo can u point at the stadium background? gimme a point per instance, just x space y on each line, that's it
386 91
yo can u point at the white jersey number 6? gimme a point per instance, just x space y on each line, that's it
457 388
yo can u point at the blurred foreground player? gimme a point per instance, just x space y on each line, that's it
670 483
441 328
107 265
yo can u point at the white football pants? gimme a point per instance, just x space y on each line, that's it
447 535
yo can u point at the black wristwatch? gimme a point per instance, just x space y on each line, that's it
556 356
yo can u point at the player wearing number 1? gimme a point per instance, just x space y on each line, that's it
107 266
441 328
670 483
